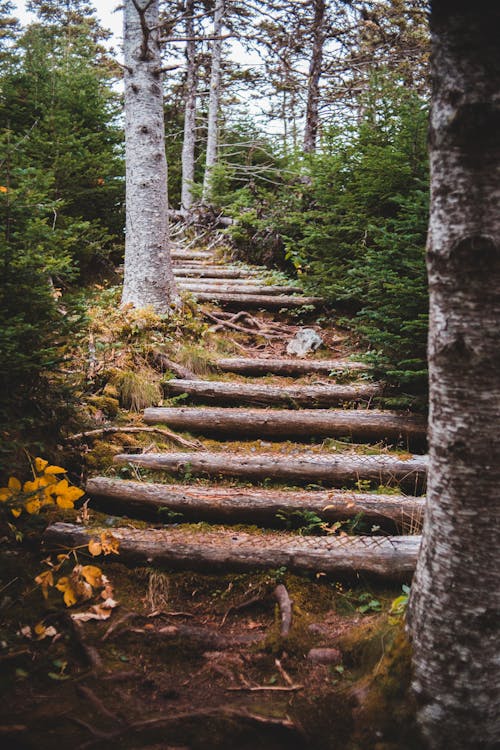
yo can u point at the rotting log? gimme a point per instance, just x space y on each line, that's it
390 557
255 505
272 395
233 289
259 301
367 425
223 283
287 367
338 471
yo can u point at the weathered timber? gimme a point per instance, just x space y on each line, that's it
358 424
336 471
215 272
230 288
393 557
191 255
272 395
222 284
257 505
288 367
259 301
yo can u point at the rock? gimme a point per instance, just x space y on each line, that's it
305 340
325 656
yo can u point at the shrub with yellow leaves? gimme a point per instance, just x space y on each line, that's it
82 581
49 486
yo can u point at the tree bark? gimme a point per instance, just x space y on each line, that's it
248 366
148 278
271 395
257 505
312 111
214 98
455 602
189 140
358 424
391 558
337 471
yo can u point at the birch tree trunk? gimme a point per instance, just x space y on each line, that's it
189 142
148 276
214 98
455 603
312 111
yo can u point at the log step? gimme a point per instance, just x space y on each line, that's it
223 283
362 425
254 505
230 289
191 255
259 301
312 396
215 272
286 367
391 557
306 468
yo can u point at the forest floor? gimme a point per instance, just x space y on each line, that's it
188 653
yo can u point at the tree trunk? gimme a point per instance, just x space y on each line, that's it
214 98
148 276
189 141
286 367
257 505
271 395
360 425
338 471
455 601
386 557
312 111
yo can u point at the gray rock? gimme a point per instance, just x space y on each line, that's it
305 340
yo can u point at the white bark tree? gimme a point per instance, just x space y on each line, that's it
189 141
148 276
214 96
455 603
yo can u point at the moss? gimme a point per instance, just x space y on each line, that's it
107 404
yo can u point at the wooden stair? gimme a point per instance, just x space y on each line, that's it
300 411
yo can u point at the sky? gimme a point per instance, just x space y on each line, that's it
104 12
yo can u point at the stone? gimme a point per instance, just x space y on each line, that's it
306 340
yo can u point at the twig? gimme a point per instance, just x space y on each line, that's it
283 672
164 363
261 688
285 605
99 706
195 444
116 624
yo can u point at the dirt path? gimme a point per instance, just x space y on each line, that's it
254 570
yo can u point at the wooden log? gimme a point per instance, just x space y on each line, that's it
368 425
391 557
271 395
259 301
256 505
287 367
191 255
245 288
214 272
222 284
337 471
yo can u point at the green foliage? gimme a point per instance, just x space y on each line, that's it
352 221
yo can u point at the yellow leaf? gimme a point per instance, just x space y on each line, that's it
3 189
5 493
92 574
95 547
55 470
16 512
64 584
60 487
63 501
14 484
110 544
45 580
30 487
40 464
33 506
